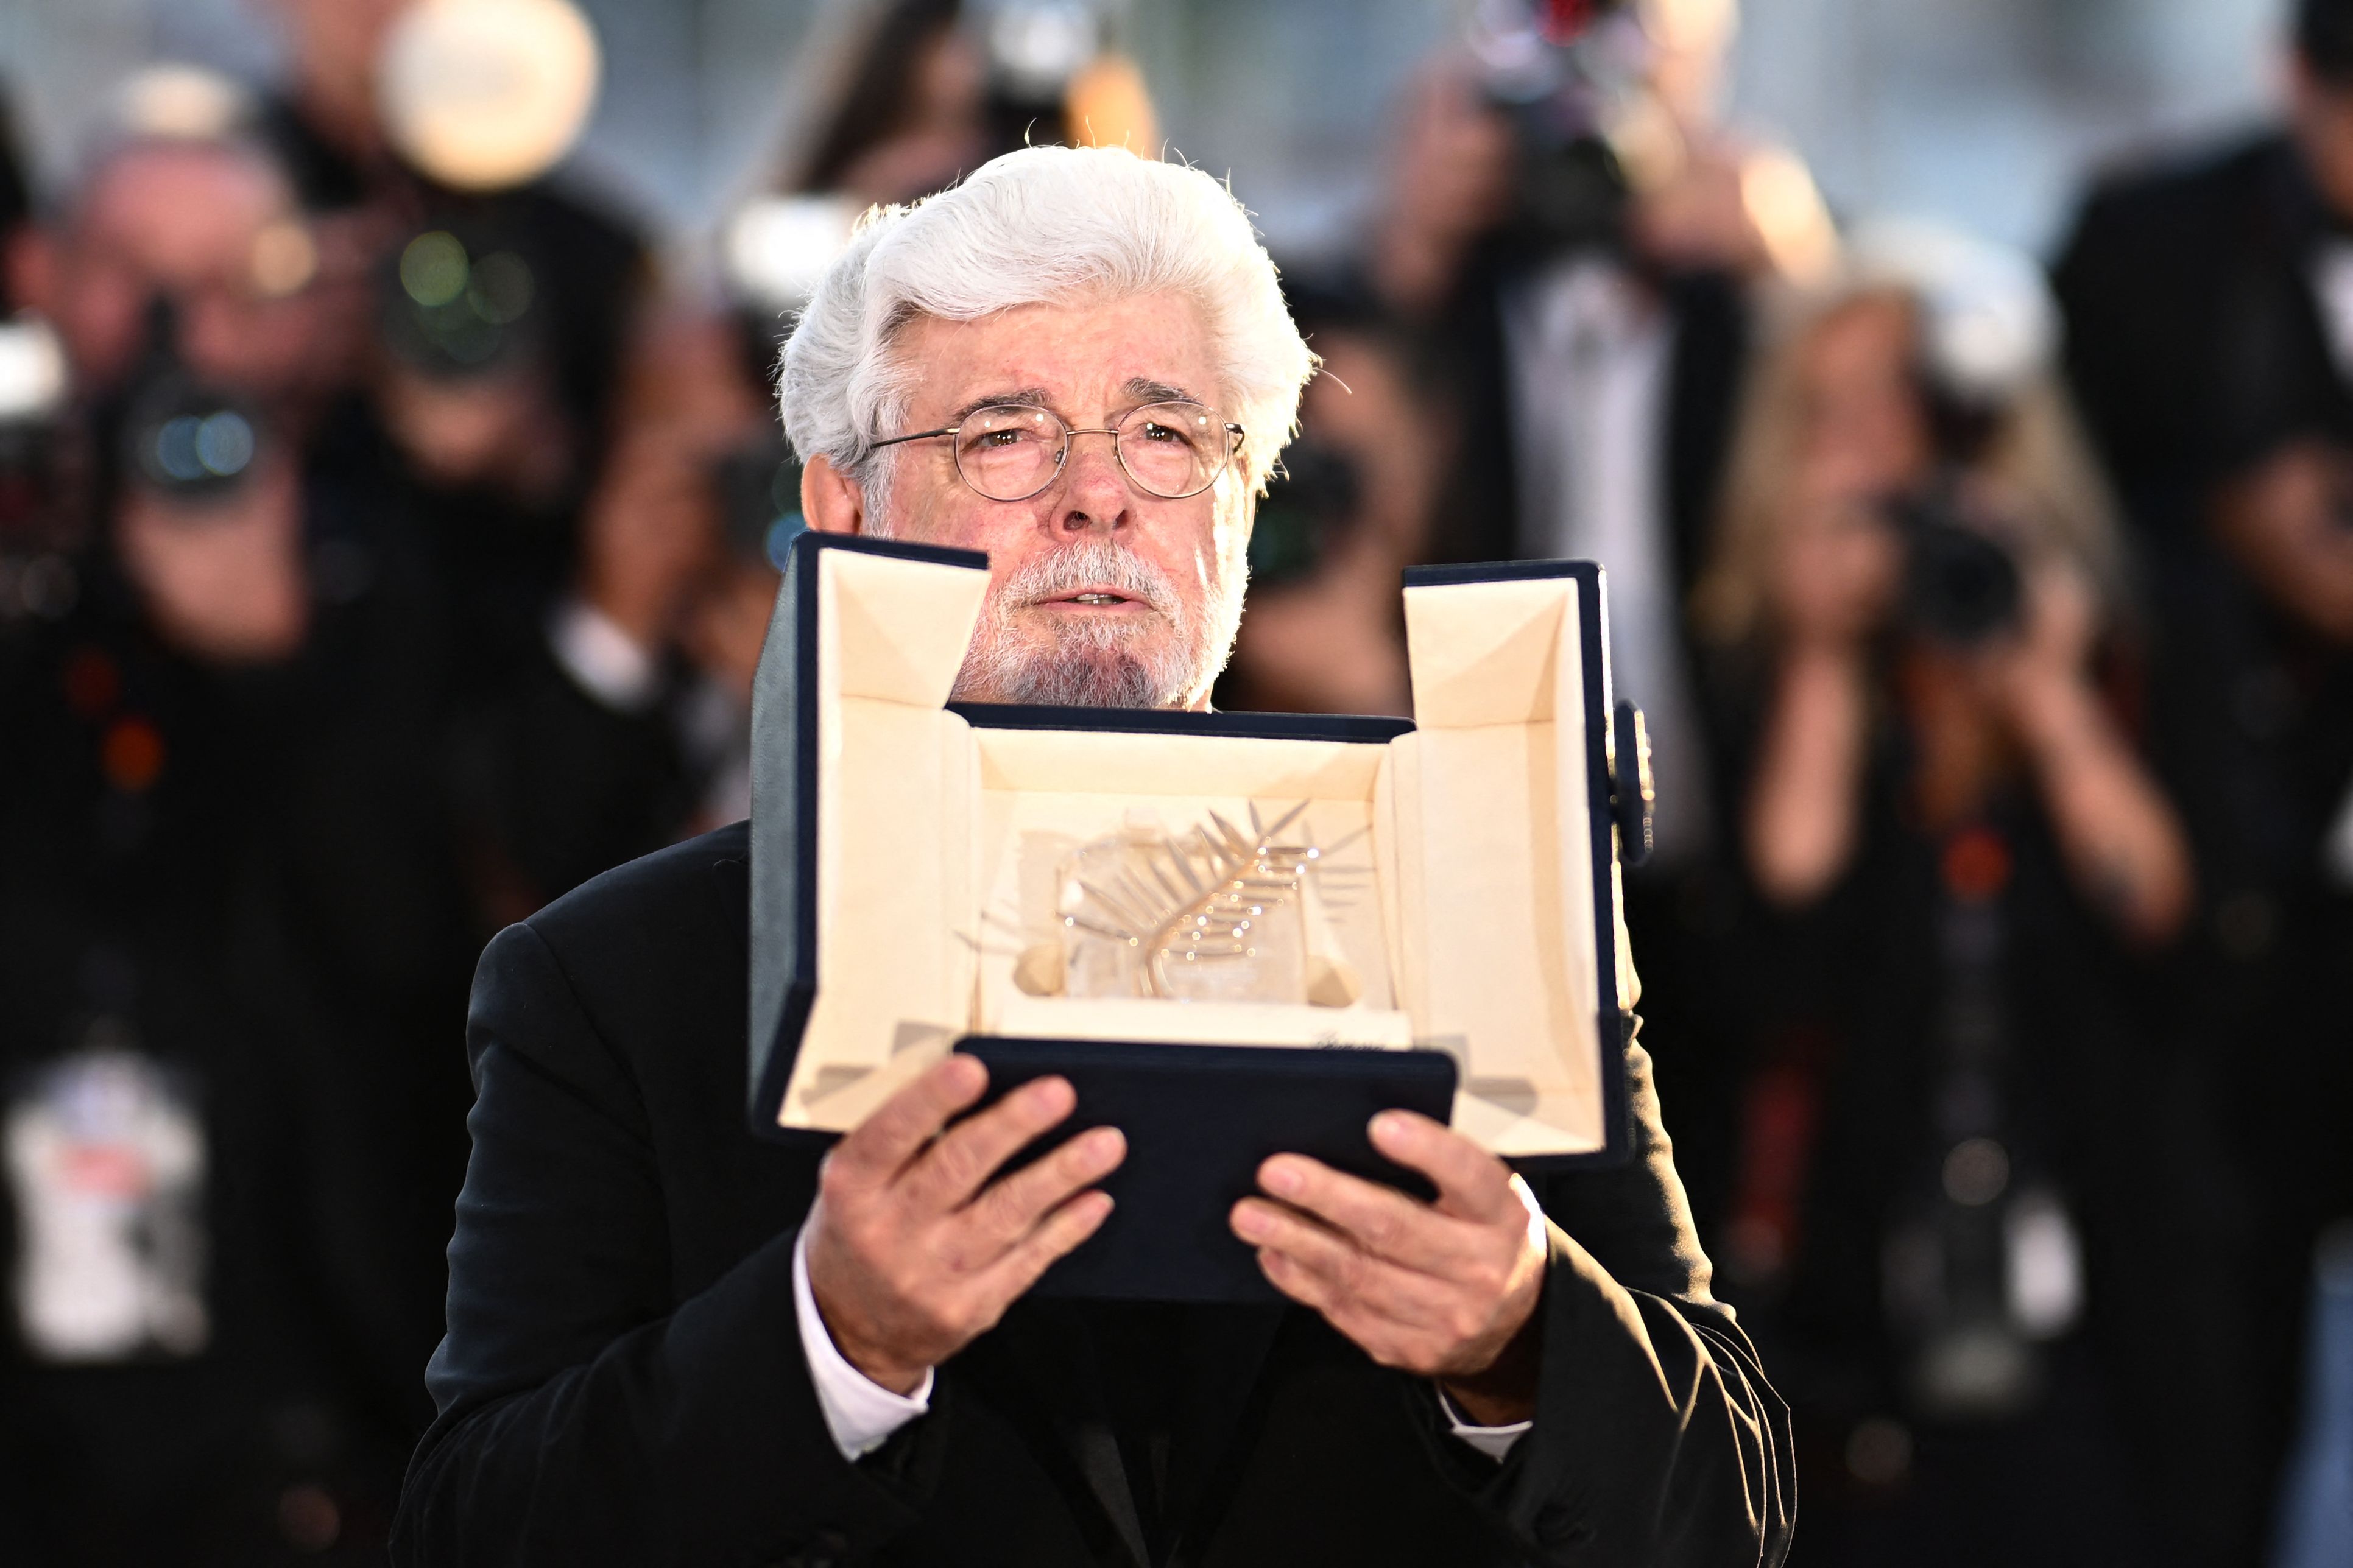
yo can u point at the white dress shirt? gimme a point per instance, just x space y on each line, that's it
1591 355
861 1414
604 660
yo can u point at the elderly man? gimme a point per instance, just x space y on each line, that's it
672 1341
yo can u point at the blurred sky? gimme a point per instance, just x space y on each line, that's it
1985 111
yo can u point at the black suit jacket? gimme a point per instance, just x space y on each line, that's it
623 1379
2195 345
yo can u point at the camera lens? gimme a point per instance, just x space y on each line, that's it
188 442
1962 588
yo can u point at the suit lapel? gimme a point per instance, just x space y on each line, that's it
1225 1351
1039 1371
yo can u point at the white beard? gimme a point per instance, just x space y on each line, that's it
1085 661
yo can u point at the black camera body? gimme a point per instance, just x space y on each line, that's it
1309 503
1961 587
1570 191
177 437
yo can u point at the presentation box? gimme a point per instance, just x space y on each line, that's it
1241 901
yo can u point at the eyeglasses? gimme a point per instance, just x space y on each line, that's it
1010 451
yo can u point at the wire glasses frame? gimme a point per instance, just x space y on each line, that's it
1011 451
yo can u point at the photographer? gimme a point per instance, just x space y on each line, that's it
1578 240
468 433
1969 1171
231 937
1350 511
2209 301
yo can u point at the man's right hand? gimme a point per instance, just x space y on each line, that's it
916 1252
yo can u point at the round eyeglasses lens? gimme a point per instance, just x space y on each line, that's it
1008 451
1173 450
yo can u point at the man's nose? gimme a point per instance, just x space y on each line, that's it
1094 491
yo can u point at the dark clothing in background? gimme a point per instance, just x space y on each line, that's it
266 907
623 1380
545 786
2194 341
2198 344
2140 1403
1482 520
548 786
556 785
15 190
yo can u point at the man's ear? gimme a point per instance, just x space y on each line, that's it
831 500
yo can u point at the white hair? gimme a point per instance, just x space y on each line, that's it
1041 224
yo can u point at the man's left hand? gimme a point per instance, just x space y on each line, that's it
1445 1290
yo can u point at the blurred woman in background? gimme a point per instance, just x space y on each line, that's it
1965 1161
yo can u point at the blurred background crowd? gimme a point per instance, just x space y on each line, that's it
1960 394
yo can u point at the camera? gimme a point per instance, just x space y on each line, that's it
757 485
1309 504
1543 72
1961 587
177 437
458 305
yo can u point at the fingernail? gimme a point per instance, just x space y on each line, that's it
1105 1144
1283 1179
1386 1127
1250 1224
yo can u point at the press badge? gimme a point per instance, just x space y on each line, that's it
106 1165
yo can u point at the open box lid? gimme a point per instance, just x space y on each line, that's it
896 845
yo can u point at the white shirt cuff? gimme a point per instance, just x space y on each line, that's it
860 1413
1496 1441
1492 1441
603 660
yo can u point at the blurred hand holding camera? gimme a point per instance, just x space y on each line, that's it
1836 571
2123 843
223 577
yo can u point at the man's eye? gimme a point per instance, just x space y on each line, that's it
1002 437
1154 431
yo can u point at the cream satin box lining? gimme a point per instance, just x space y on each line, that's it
1478 915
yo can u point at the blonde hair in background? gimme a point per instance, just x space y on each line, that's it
2036 459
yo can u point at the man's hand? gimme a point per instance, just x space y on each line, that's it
915 1252
2284 520
224 582
1445 1290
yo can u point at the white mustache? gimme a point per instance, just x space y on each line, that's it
1091 562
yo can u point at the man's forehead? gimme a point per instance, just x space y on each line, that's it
1081 357
182 197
